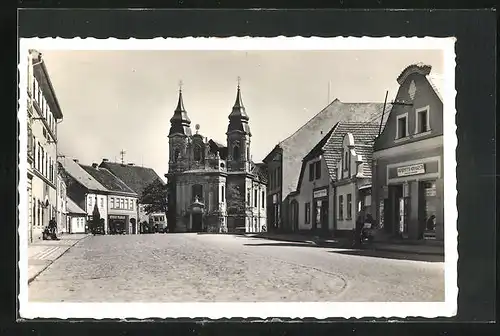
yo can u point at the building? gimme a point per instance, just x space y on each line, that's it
137 178
77 218
334 180
284 161
408 186
83 189
44 114
62 222
212 186
119 209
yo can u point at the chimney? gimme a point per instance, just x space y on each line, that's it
76 160
105 160
94 165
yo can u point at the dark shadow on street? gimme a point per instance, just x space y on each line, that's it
296 244
392 255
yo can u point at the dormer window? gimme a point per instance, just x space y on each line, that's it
402 126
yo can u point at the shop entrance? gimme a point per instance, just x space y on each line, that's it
320 223
427 207
197 222
397 211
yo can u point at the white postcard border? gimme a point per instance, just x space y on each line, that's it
320 310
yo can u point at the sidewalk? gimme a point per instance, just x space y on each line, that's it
423 248
42 253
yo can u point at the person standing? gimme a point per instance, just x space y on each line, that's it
360 222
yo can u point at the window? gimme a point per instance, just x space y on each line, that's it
262 199
236 152
89 203
177 153
197 190
122 203
112 202
341 207
248 199
349 206
102 202
132 205
311 171
255 204
277 178
223 197
346 158
402 126
422 120
307 213
197 153
318 169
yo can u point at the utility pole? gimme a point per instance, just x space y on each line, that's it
383 111
122 154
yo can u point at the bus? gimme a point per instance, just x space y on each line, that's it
159 222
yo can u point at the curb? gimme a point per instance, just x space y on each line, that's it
30 279
405 252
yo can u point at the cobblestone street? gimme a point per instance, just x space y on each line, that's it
192 267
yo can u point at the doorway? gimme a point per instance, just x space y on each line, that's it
320 223
197 222
294 215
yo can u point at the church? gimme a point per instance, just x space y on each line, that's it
214 187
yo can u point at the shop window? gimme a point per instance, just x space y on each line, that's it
422 119
307 213
311 171
341 207
349 206
402 126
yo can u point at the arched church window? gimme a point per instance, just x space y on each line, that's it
198 155
236 152
197 191
177 153
248 153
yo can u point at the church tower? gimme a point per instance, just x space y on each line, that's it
238 137
178 137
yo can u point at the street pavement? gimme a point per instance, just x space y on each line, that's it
211 267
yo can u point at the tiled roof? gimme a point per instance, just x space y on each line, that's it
135 177
79 174
366 152
305 138
363 133
107 179
73 208
437 83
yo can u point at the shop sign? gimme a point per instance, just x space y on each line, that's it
117 217
430 192
320 193
411 170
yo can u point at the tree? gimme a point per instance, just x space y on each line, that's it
154 197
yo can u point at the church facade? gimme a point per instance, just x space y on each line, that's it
214 187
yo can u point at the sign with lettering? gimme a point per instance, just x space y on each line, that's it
430 192
411 170
320 193
117 217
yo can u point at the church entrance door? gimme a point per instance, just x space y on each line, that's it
197 222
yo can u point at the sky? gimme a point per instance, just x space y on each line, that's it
123 100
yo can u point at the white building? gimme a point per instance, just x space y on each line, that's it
44 113
77 218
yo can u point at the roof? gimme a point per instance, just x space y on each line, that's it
331 145
107 179
136 178
437 83
435 80
296 146
79 174
73 208
363 133
260 170
180 122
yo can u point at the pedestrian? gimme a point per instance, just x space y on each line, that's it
358 228
52 228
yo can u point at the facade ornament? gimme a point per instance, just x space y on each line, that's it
412 90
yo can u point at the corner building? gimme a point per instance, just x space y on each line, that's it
211 186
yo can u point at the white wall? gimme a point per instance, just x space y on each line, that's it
61 205
347 223
77 224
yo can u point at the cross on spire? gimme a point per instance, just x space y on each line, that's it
180 85
122 154
239 81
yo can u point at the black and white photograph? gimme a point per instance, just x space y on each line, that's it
233 177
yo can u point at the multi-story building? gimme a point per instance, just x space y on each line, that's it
211 186
44 114
119 208
285 160
408 188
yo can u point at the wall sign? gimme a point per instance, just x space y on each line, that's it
117 217
430 192
411 170
320 193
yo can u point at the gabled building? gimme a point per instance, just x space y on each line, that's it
332 180
137 178
212 186
121 206
284 161
77 218
408 184
83 189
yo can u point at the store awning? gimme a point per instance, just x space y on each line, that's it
368 186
